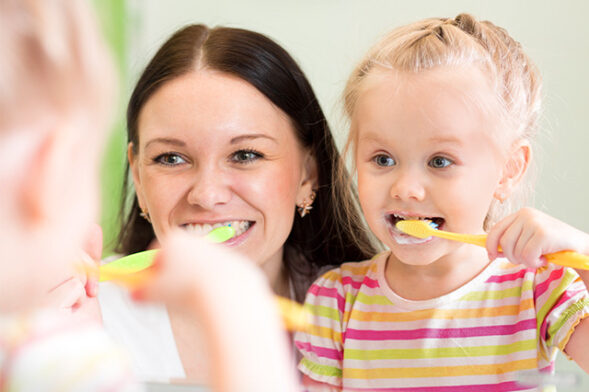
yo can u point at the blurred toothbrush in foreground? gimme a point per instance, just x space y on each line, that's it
133 271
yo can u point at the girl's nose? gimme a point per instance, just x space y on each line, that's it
209 189
407 185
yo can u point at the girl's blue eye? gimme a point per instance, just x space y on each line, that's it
169 159
440 162
384 160
246 156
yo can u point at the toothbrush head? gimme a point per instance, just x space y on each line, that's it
417 228
221 234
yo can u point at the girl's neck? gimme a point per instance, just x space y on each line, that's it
423 282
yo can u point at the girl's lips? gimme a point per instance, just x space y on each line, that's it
393 218
405 239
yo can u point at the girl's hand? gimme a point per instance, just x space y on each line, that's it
189 268
232 298
76 295
92 253
528 234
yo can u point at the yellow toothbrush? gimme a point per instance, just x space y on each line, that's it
423 229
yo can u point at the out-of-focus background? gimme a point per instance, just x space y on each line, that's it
327 38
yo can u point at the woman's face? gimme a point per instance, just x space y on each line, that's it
213 150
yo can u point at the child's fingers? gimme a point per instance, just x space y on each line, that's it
92 254
526 248
531 254
93 244
509 240
66 294
495 235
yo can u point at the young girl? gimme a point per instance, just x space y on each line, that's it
442 113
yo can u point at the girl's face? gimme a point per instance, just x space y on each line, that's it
213 150
424 150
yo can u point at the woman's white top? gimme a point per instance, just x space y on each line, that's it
144 330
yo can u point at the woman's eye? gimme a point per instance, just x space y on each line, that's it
170 159
440 162
246 156
384 160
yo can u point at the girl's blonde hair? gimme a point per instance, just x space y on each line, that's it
463 41
53 62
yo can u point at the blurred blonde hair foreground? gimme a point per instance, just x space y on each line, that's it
56 87
53 61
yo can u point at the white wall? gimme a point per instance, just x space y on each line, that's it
327 37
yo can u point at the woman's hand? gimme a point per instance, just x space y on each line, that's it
527 235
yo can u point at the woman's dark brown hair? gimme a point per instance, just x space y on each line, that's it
325 237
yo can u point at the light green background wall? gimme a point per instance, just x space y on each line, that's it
328 36
112 15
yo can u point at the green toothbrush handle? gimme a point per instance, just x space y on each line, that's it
127 265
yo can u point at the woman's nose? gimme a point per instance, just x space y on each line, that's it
209 189
408 185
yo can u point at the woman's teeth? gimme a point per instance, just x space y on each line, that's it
201 230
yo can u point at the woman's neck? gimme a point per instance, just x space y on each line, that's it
277 274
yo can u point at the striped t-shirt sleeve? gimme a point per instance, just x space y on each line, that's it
561 303
321 345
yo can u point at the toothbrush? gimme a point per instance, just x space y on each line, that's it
124 269
426 228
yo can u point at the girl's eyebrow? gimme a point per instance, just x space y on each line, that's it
449 139
371 137
166 140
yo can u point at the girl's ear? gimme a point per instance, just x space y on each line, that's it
514 169
309 178
135 172
37 176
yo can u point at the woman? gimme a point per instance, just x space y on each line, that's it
224 128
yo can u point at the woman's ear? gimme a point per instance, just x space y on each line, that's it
515 168
309 178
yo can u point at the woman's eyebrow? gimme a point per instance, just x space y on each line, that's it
166 140
241 138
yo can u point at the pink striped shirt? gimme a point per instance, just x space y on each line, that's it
480 337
